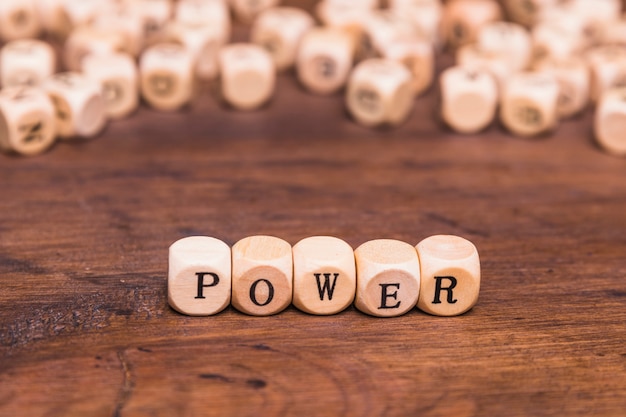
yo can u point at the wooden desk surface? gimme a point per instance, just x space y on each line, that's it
85 328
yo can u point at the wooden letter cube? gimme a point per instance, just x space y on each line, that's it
166 73
248 76
279 30
425 15
26 62
324 275
380 92
450 275
469 98
78 102
462 19
419 58
117 74
610 121
262 275
325 59
154 14
205 13
18 19
199 278
608 69
204 43
529 104
510 40
388 277
498 66
87 40
27 123
572 75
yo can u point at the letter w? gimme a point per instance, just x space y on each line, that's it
327 287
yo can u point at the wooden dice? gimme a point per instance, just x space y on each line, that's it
79 106
279 30
607 65
262 275
324 275
26 62
418 57
572 75
529 104
380 92
27 120
324 59
199 278
388 277
248 76
450 275
610 121
166 73
469 99
509 40
117 74
18 19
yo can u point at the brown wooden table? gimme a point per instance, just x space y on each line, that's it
85 328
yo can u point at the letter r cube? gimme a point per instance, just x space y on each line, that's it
450 275
199 280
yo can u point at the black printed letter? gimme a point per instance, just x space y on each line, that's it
439 288
327 288
201 285
384 295
270 292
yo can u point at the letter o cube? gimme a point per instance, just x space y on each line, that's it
388 277
324 276
262 275
199 278
450 275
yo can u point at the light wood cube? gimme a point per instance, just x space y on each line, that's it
551 41
510 40
597 14
610 121
324 275
27 123
529 104
608 69
469 99
450 275
572 74
117 75
213 14
18 20
325 59
204 43
388 277
345 14
462 20
425 15
127 26
246 10
380 92
199 277
383 29
79 106
279 30
262 275
497 65
87 40
166 76
418 57
26 62
248 76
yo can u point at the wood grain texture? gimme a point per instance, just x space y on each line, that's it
85 328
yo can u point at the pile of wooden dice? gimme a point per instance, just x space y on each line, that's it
548 62
322 275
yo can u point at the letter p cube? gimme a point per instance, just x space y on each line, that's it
199 281
450 274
